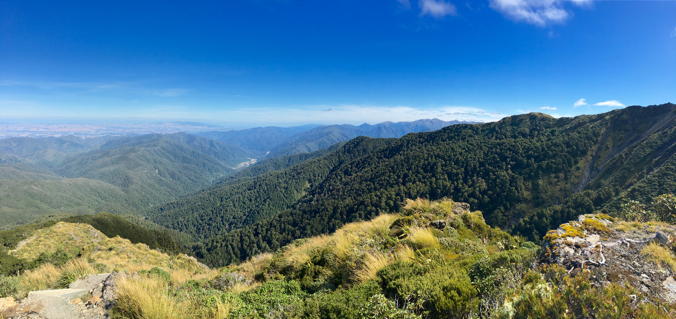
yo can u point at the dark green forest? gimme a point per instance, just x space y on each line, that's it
527 173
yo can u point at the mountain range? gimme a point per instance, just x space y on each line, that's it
527 173
129 174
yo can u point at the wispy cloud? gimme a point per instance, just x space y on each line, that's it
580 102
126 87
175 92
50 85
611 103
436 8
537 12
548 108
324 114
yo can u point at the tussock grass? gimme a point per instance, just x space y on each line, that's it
404 253
151 297
423 237
147 298
660 255
421 205
372 263
345 239
74 270
43 277
300 253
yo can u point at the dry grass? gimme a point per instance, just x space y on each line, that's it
43 277
345 239
660 255
70 238
147 298
372 263
300 253
421 205
404 253
113 253
423 237
152 298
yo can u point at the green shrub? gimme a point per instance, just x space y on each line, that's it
380 307
8 286
157 272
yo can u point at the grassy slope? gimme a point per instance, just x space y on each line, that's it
430 260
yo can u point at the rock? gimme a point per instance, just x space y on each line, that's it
228 280
54 304
438 224
614 254
459 208
662 238
7 303
670 286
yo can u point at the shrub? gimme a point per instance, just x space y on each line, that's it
8 286
380 307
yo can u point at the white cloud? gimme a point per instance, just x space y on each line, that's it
354 114
436 8
538 12
548 108
405 3
580 102
612 103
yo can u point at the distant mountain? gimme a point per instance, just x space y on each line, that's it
46 150
155 168
324 136
269 142
68 175
259 140
527 173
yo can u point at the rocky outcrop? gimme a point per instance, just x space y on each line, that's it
618 252
87 298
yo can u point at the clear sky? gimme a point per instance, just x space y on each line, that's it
291 61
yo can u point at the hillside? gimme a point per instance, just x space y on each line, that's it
428 260
255 193
48 150
70 175
527 173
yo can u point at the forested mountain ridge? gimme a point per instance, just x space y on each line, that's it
260 194
527 173
70 175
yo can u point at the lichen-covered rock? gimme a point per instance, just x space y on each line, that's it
629 253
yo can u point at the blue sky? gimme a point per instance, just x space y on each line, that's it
284 62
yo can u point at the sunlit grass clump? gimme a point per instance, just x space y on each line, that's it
423 237
660 255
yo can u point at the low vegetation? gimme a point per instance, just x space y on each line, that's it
432 259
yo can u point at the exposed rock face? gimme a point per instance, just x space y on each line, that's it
87 298
616 252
